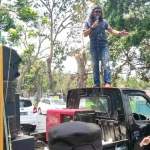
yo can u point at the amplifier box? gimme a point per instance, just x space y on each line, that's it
23 142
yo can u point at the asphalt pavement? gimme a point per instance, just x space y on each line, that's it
41 127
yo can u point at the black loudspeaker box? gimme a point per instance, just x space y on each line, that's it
10 63
9 91
17 111
23 142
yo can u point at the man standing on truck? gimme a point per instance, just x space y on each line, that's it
95 27
145 141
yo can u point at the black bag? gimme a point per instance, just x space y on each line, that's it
75 136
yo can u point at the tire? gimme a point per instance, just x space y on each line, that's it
39 111
33 128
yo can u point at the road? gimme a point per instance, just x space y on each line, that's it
41 127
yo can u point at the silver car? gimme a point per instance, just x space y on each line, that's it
50 103
28 113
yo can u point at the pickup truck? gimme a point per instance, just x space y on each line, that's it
123 114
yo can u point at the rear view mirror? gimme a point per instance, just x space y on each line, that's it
148 104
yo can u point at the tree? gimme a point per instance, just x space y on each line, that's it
34 77
82 76
29 34
64 16
133 17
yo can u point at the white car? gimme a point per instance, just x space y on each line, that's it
50 103
28 113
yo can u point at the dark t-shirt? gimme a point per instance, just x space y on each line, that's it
101 39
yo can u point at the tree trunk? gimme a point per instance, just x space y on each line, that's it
38 95
115 76
33 90
19 84
71 78
82 76
23 71
20 80
50 76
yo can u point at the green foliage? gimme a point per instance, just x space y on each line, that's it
89 105
35 103
45 20
133 106
14 35
30 49
41 78
23 3
133 82
133 17
31 33
27 14
5 19
89 81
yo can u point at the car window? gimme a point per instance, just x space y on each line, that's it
94 103
57 102
47 101
43 101
25 103
139 107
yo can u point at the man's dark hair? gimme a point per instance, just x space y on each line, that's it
94 8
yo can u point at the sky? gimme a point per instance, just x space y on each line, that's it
70 65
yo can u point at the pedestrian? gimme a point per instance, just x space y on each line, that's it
95 28
145 141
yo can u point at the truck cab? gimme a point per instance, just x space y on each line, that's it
123 114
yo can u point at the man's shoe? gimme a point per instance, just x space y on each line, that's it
107 85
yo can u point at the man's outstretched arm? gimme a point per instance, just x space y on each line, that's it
119 33
145 141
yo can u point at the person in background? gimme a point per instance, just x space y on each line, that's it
95 28
145 141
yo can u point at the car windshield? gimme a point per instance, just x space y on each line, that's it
57 102
25 103
94 103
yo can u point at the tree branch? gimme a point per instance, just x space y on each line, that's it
57 32
46 7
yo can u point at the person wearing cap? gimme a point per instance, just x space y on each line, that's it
145 141
95 28
75 136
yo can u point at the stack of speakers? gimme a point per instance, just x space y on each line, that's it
11 61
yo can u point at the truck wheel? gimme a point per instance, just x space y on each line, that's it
33 128
39 111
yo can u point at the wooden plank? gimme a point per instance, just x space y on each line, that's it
1 100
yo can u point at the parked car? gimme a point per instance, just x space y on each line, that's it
50 103
28 113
